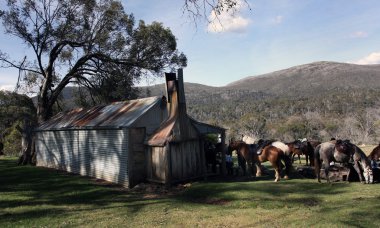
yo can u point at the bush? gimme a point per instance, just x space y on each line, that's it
12 141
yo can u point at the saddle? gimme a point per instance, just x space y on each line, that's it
261 144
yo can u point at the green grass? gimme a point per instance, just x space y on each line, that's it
40 197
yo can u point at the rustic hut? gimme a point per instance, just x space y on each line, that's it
175 150
128 142
105 142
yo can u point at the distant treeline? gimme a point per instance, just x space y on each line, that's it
351 114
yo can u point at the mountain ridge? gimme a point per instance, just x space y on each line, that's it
315 76
312 78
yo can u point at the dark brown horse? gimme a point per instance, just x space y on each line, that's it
314 143
1 148
295 149
302 148
375 154
342 151
248 154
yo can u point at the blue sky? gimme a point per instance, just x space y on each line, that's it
273 35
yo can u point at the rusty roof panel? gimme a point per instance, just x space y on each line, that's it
162 134
114 115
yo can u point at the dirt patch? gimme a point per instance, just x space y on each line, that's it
154 191
212 201
311 203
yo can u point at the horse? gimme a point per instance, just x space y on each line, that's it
282 146
341 151
210 155
248 154
299 148
1 148
244 154
314 143
375 154
295 149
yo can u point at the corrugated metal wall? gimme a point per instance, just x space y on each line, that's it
98 153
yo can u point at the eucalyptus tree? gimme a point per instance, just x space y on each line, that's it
85 42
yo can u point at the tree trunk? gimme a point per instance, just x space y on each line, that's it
44 112
27 144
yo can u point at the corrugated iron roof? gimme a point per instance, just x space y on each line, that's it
114 115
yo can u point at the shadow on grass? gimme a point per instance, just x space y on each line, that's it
264 191
32 193
25 188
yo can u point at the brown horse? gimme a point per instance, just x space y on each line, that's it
1 148
248 154
295 149
302 148
375 154
314 143
243 153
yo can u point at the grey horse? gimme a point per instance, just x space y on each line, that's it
342 151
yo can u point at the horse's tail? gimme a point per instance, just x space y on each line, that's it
317 162
310 151
288 163
242 162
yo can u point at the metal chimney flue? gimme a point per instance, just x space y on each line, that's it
181 88
170 82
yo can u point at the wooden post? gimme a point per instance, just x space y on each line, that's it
223 141
168 164
202 158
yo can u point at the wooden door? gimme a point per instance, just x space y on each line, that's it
137 155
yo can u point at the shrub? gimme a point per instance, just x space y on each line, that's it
12 141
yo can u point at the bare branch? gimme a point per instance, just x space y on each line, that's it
198 9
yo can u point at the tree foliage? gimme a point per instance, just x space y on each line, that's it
15 107
15 111
86 42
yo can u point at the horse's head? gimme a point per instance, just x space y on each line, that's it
234 145
344 146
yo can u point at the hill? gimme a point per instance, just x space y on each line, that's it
313 77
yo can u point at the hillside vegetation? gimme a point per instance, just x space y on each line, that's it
318 100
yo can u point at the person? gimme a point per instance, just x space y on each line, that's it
374 164
1 148
229 164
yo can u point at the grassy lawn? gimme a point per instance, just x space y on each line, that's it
40 197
